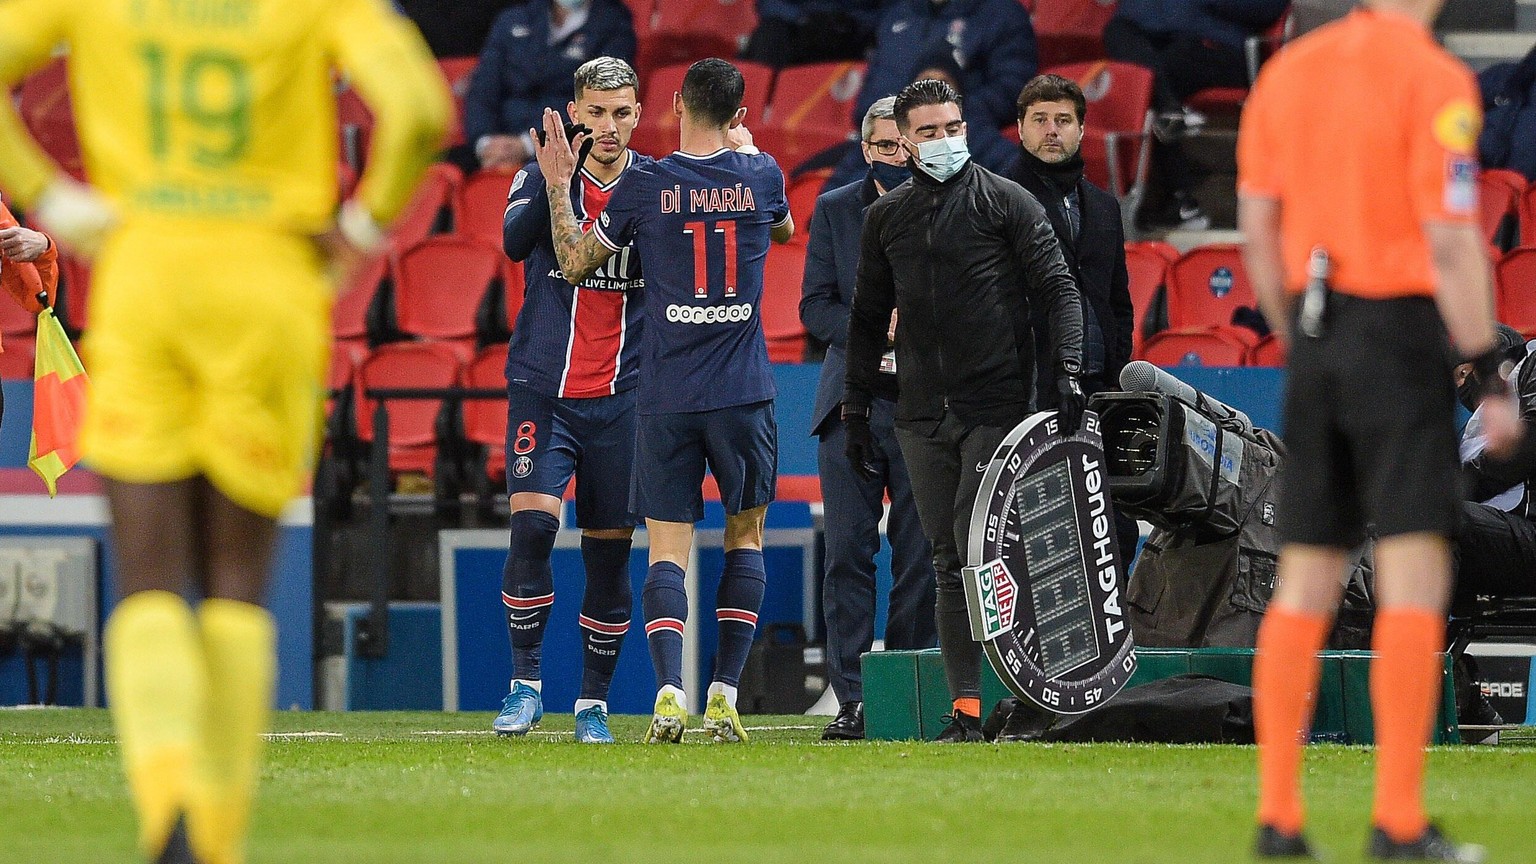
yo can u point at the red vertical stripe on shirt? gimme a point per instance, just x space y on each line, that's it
598 322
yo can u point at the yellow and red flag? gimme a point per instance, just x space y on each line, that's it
58 403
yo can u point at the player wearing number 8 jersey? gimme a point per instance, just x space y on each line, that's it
701 220
571 372
209 129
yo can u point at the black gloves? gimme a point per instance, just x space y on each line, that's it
859 443
1070 401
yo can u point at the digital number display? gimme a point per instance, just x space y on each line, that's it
1059 587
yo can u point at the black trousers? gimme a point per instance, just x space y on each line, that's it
946 466
854 505
1181 66
1495 553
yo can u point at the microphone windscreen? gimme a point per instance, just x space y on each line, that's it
1138 375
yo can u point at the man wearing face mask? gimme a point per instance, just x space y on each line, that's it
963 256
853 498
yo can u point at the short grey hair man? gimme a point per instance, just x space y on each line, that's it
883 109
605 73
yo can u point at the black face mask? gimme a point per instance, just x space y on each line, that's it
889 176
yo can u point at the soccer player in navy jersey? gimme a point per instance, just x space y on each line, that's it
571 373
700 221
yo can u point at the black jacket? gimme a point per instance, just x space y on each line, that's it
964 262
1097 262
831 272
1483 476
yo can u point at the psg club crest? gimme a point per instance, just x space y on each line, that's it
1043 585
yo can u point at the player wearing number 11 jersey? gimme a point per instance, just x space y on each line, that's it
701 220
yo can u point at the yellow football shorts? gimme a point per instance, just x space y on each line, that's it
207 350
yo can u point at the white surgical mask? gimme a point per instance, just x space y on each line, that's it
943 157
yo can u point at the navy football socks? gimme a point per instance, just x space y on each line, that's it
605 609
528 588
736 607
664 602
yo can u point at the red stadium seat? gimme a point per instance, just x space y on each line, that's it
1515 289
457 72
1147 267
349 315
479 205
1116 142
682 31
43 100
1269 352
485 420
1196 348
1069 31
1498 197
782 276
811 110
656 133
356 126
433 195
803 192
75 285
412 422
440 284
1206 286
16 354
346 356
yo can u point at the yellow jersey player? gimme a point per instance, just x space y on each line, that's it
208 129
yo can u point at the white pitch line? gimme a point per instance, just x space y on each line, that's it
270 736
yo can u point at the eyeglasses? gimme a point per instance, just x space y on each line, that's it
885 147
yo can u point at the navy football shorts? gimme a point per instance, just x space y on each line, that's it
550 440
740 446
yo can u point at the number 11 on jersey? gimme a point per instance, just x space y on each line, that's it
700 232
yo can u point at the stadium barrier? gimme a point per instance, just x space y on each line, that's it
905 696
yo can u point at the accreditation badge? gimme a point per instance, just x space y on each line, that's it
1045 569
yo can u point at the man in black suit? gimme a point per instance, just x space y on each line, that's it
853 500
1087 222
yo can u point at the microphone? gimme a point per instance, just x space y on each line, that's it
1143 376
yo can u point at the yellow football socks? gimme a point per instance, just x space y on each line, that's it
157 686
238 644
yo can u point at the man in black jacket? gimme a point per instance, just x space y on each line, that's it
963 256
1087 222
853 498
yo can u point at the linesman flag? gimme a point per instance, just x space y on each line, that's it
58 403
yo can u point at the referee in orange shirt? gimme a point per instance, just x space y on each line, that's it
1364 251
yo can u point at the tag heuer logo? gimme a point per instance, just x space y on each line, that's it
997 592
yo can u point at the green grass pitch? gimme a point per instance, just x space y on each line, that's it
426 787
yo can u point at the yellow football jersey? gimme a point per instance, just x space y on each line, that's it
212 110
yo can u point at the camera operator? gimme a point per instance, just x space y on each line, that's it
1495 550
963 255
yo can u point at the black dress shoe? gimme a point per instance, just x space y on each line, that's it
848 725
962 728
1430 846
1273 844
1027 723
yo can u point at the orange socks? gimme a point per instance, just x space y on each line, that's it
1405 683
1285 672
970 707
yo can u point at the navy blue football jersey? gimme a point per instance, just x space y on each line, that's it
701 226
568 341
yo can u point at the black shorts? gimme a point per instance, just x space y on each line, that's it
1369 425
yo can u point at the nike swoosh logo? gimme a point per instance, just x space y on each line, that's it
528 617
981 467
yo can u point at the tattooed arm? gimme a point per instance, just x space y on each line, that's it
579 254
